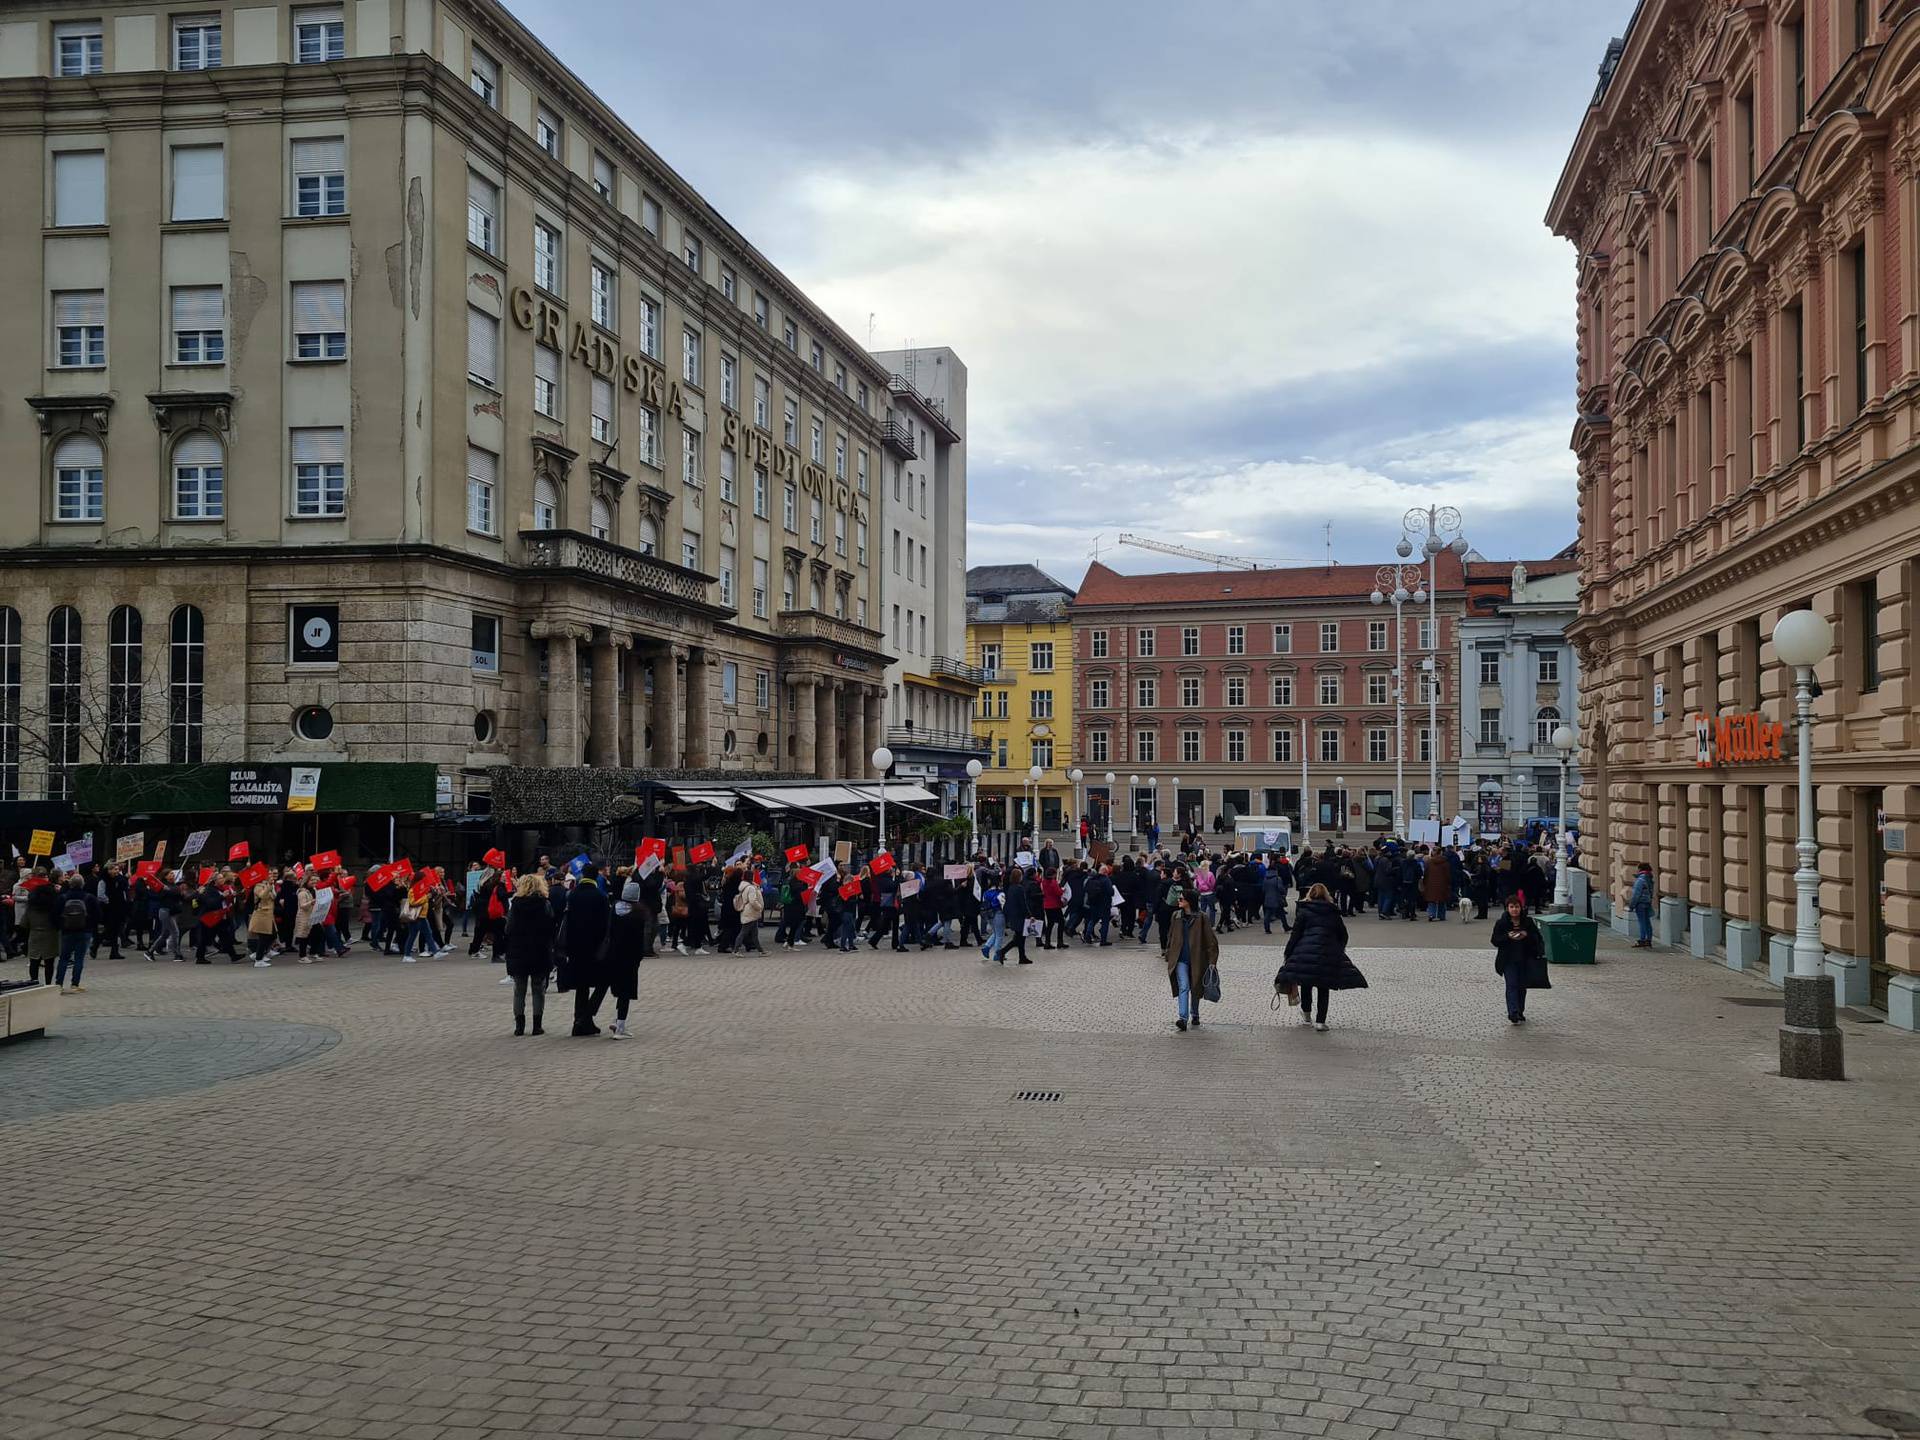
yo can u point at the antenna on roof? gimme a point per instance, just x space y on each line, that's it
1329 547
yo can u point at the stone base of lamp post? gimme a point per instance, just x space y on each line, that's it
1811 1045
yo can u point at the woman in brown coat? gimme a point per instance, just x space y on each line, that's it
1192 950
1436 883
260 925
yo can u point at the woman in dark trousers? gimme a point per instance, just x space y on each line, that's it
528 940
1519 956
1316 957
1192 948
585 938
626 947
1015 907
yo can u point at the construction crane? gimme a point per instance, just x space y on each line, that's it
1212 557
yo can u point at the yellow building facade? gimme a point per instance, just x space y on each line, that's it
1020 636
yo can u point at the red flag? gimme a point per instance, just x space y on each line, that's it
881 863
346 883
239 851
494 859
422 888
702 853
206 874
253 875
401 869
850 890
326 860
650 847
379 877
806 897
807 876
299 870
797 855
146 869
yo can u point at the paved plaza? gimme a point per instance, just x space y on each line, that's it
805 1199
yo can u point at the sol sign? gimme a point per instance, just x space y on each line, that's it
1736 740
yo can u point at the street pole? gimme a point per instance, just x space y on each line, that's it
1306 830
882 761
1434 528
1079 811
974 767
1563 741
1810 1040
1390 584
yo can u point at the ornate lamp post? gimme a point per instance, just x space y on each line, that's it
1396 584
1340 784
1810 1041
1076 775
1153 801
1563 741
1111 777
883 762
1434 529
974 767
1133 810
1034 776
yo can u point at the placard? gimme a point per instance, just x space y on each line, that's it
303 787
961 871
130 847
65 864
41 843
1024 859
80 851
843 851
909 886
196 842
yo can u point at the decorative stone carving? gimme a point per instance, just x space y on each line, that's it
175 412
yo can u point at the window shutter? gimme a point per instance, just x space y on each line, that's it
199 182
326 155
80 187
319 307
198 307
483 344
80 307
319 15
481 191
199 448
602 519
482 465
319 447
602 399
546 497
546 364
77 452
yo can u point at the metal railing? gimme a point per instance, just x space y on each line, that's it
570 550
926 738
959 670
899 435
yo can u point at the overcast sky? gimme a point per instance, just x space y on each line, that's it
1223 271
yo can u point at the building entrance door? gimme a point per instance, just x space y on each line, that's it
1872 902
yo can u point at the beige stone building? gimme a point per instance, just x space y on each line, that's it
1742 194
370 391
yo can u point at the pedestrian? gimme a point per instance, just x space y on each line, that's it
79 914
620 966
1640 901
793 913
1316 961
584 939
528 941
1098 904
747 905
1191 950
261 923
41 925
1016 912
1273 898
1436 884
1519 956
1052 913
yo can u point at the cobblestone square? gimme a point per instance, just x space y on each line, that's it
343 1200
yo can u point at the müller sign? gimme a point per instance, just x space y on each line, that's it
1736 740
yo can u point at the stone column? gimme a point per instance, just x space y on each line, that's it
830 730
699 693
636 706
859 745
805 733
666 706
874 700
603 736
563 690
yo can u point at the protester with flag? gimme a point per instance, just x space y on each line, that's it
169 903
304 941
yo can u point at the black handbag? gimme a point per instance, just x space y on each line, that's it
1210 987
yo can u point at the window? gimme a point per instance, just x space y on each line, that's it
483 480
1329 637
861 390
1189 746
1544 724
604 181
817 436
690 549
483 210
690 356
79 480
1862 22
790 335
198 183
729 382
1377 744
1795 36
486 644
196 43
1040 656
199 478
319 35
1236 640
840 532
1489 667
728 560
1429 688
1043 754
760 310
1283 639
861 555
1329 690
1097 694
80 329
1189 692
199 325
759 587
816 357
1854 269
320 176
1424 743
79 48
840 378
760 504
1793 340
483 74
729 286
760 401
603 298
1329 744
650 436
547 130
1376 635
840 456
1867 597
1146 692
814 529
186 684
1490 726
727 463
1549 667
64 679
1001 709
1143 644
600 410
762 690
1097 644
546 381
690 470
1282 691
1190 640
1236 747
1426 634
649 535
650 216
789 511
1040 705
600 519
1097 746
729 682
80 187
1146 746
1282 746
990 658
319 472
320 320
691 252
483 348
1236 692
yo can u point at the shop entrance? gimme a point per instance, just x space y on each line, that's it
1870 916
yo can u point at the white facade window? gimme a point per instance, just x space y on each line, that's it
196 43
650 216
546 381
649 536
729 286
483 348
199 478
1097 644
1190 692
840 456
1425 743
1282 691
788 597
1376 634
79 48
650 327
1549 667
790 335
604 177
1283 639
1143 644
483 74
816 357
815 515
1489 667
818 434
692 252
761 313
1146 746
1377 745
760 493
690 356
79 480
199 182
650 436
727 466
600 410
1544 724
1329 744
839 532
1376 689
483 483
1236 692
547 130
729 676
788 501
1329 637
690 472
1329 690
546 257
860 470
603 296
762 689
319 472
790 421
79 329
1097 691
690 549
759 587
319 34
1490 726
727 561
546 505
319 319
729 382
1236 640
1426 634
600 519
1190 640
1236 747
486 644
199 315
80 187
1146 692
1282 747
761 400
1097 746
840 378
483 212
320 176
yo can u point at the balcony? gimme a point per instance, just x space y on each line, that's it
935 412
827 629
960 670
602 560
897 436
919 737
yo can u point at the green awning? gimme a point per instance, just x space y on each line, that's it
383 787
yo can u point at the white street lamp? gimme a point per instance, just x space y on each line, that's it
1153 801
1434 528
1391 585
1563 741
1111 777
1133 810
974 767
1340 784
883 762
1810 1042
1076 775
1034 774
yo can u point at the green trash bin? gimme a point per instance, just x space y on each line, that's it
1570 939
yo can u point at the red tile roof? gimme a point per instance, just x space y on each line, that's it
1104 586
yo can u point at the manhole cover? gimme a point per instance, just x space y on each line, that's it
1043 1096
1901 1422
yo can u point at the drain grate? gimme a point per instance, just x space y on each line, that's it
1901 1422
1041 1096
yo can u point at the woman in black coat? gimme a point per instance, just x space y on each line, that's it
619 971
1316 956
1519 956
1014 902
586 946
529 947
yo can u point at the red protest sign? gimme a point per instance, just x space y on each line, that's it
379 877
238 851
797 855
701 853
326 860
346 883
401 869
146 869
850 890
881 863
807 876
253 874
650 846
206 874
806 897
494 859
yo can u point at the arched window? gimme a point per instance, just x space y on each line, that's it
199 478
186 684
546 505
124 637
649 536
1544 724
600 520
9 703
63 699
813 594
79 480
839 603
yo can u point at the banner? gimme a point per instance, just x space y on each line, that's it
80 851
881 863
325 860
379 877
41 843
196 842
827 868
238 851
577 866
303 787
909 886
807 876
702 853
401 869
797 854
130 847
253 875
850 890
257 787
65 864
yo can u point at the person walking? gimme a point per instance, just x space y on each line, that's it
40 924
1640 901
79 915
168 903
586 942
619 969
260 924
1053 935
1191 948
1273 898
747 904
1016 911
1316 960
1436 884
528 940
1519 957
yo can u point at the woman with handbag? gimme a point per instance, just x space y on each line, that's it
1192 953
1519 956
528 942
1316 961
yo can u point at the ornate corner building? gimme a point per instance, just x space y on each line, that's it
1743 198
372 393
